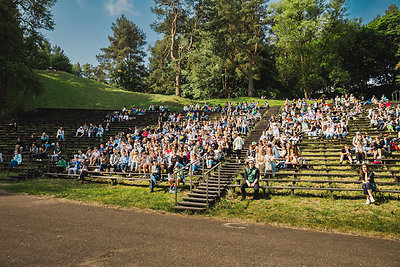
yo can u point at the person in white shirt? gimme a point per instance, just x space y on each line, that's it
238 146
60 134
80 132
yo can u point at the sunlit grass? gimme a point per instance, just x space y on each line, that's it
64 90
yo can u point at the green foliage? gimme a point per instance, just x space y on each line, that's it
123 58
19 23
77 70
59 60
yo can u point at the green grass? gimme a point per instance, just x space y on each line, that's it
318 213
346 214
117 195
64 90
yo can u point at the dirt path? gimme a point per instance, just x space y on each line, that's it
47 232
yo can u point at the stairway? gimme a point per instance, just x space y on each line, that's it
197 200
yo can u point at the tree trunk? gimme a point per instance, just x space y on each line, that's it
3 101
305 93
178 80
251 79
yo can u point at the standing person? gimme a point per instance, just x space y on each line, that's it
238 146
252 176
155 175
368 183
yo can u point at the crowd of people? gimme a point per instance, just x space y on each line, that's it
191 138
278 146
93 130
177 141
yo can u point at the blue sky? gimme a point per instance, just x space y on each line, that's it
82 26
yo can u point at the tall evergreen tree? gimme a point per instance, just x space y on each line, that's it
123 58
240 27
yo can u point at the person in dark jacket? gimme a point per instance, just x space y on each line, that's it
251 179
368 183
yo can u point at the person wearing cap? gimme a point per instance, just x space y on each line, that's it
251 178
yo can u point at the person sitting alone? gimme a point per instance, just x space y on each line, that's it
60 134
80 132
345 154
368 183
17 160
252 176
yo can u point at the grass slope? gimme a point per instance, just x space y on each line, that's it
64 90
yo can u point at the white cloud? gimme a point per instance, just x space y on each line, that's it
80 3
119 6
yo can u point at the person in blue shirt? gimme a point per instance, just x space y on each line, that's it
17 160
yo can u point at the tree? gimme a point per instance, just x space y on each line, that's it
19 23
77 69
59 60
177 20
386 44
240 27
123 58
297 25
87 71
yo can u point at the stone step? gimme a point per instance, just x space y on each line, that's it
193 204
184 208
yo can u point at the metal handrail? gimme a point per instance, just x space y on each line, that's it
219 179
191 176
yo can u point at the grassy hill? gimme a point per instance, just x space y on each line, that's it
64 90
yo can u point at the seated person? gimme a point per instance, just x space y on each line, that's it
123 162
195 160
385 144
94 157
74 166
103 161
377 148
17 160
361 154
56 153
114 160
80 132
84 173
100 131
210 158
61 165
60 134
251 178
345 154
